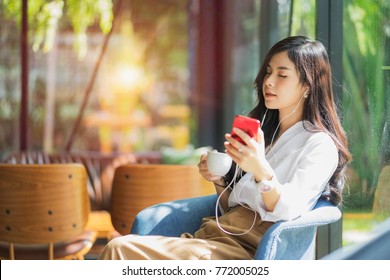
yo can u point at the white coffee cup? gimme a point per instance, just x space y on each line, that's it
218 163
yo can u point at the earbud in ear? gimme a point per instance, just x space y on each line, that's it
306 95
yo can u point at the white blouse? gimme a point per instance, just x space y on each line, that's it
302 162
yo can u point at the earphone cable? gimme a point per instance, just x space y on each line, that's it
217 204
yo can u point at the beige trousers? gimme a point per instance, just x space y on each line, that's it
208 243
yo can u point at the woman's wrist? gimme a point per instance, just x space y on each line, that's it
264 182
264 186
266 177
266 174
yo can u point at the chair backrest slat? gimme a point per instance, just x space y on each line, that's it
42 203
137 186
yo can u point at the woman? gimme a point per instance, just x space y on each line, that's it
300 154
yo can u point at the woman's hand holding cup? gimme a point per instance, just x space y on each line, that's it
214 165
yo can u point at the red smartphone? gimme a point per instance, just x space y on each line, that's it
247 124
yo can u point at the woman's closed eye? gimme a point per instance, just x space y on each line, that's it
269 73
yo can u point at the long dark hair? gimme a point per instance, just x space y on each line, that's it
313 67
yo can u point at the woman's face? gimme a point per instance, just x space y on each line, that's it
282 89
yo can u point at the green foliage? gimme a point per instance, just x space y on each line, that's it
366 109
44 16
82 14
163 27
186 156
303 21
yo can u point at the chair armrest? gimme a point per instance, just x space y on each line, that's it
296 239
175 217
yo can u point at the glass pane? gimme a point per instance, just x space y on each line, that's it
138 100
242 53
9 82
366 110
245 42
303 21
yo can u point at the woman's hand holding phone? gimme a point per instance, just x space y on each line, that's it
249 125
247 149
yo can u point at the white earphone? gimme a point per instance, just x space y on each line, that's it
305 94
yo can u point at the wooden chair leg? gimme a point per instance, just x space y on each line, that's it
11 251
51 251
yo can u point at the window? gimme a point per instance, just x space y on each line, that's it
139 99
366 111
252 27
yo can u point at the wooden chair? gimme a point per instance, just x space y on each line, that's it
43 211
137 186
